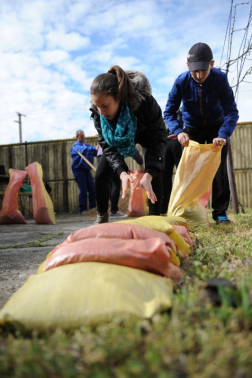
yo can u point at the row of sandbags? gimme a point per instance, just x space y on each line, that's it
42 206
103 271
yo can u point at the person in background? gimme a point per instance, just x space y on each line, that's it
209 114
81 171
115 184
125 113
172 158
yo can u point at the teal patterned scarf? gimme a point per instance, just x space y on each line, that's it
121 135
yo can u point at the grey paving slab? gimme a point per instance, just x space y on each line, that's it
23 247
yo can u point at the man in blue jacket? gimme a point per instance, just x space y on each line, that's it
81 171
209 114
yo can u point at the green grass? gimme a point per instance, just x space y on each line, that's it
195 340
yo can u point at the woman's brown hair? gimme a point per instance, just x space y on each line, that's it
115 83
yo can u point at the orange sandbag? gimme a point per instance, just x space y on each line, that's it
121 231
10 213
42 206
118 231
136 201
152 255
182 230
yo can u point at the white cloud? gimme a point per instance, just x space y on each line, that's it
70 42
53 57
50 51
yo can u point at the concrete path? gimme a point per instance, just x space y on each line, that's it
23 247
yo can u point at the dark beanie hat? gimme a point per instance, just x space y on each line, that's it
199 57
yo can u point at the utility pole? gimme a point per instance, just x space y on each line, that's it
20 125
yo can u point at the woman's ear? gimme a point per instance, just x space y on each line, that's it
118 97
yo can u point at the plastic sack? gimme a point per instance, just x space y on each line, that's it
136 206
10 213
174 220
117 230
80 294
160 224
192 183
184 233
42 205
152 255
121 231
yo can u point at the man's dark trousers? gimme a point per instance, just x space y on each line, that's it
220 188
85 183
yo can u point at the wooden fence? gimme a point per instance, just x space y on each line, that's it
54 156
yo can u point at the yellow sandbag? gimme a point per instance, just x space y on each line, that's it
176 221
160 224
90 293
42 205
192 183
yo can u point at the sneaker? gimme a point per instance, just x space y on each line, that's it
83 212
222 220
118 214
102 218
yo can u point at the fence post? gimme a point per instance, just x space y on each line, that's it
231 177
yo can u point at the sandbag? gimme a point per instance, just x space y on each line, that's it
191 188
152 255
136 201
116 230
160 224
174 220
184 233
80 294
42 205
119 230
9 213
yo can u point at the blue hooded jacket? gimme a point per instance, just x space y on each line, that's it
204 105
85 149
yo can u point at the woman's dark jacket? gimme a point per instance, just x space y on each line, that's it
151 131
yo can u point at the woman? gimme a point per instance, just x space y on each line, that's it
125 113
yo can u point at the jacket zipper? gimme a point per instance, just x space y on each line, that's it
201 107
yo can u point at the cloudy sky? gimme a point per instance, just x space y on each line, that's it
51 50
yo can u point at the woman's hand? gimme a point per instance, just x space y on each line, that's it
146 184
183 139
219 142
125 178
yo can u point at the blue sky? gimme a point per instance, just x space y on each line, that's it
50 51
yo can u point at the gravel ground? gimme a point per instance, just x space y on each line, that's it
23 247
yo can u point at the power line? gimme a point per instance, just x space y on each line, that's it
54 127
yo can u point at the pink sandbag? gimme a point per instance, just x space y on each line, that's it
119 231
10 213
152 255
136 201
182 230
42 206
